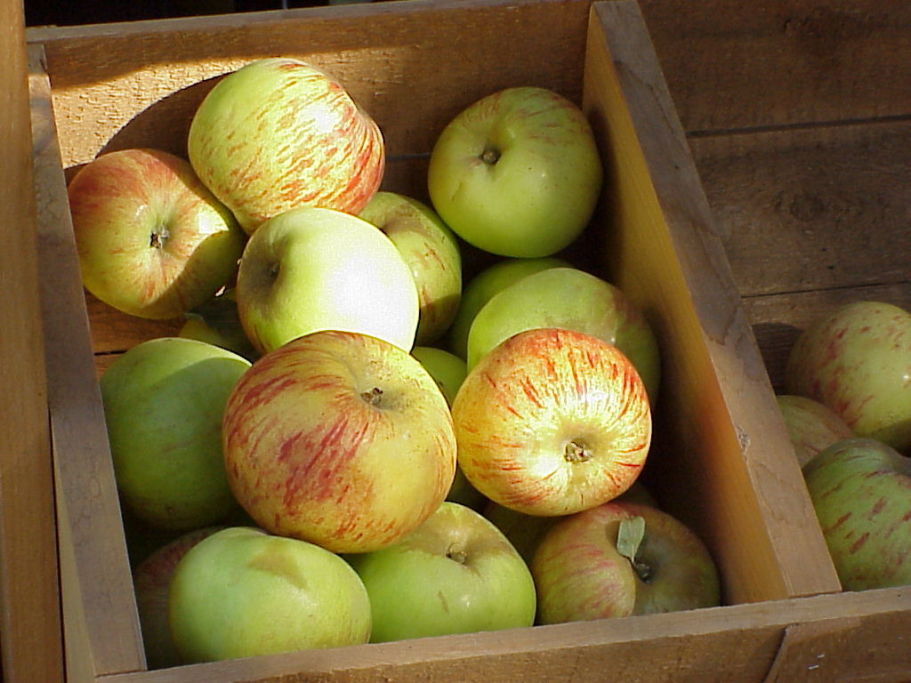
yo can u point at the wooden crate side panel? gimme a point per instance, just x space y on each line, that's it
783 62
763 531
100 622
30 624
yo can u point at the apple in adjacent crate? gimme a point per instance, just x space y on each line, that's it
857 361
341 439
480 288
861 491
455 573
573 299
277 134
811 425
431 251
241 592
551 422
621 559
312 269
151 583
517 173
152 241
163 404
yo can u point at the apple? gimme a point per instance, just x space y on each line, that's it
277 134
480 288
573 299
551 422
811 425
312 269
857 361
217 322
430 250
517 173
152 241
151 583
242 592
621 559
340 439
455 573
163 403
861 491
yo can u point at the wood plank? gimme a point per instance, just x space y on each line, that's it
30 631
783 62
746 493
811 209
101 628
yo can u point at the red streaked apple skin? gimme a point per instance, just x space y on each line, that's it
279 133
857 361
861 491
552 422
152 241
340 439
811 425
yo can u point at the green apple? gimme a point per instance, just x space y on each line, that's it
572 299
861 491
857 361
811 425
621 559
480 288
456 573
279 133
241 592
163 404
308 270
340 439
517 173
217 322
153 242
430 250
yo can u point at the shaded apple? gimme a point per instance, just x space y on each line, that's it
811 425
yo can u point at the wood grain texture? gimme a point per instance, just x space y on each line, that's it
30 621
101 625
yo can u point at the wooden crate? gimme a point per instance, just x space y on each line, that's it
722 461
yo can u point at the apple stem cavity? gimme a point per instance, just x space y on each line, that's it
159 237
457 555
629 537
576 452
490 156
373 396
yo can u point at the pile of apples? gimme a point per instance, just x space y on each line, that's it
847 408
373 451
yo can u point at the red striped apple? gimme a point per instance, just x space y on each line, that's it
152 240
857 361
340 439
279 133
811 425
620 559
551 422
517 173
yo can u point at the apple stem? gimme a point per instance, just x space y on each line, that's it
457 555
575 452
490 156
373 396
159 237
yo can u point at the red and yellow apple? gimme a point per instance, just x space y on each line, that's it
811 425
341 439
551 422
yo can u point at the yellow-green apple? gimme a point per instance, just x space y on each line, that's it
857 361
517 173
241 592
480 288
430 250
277 134
341 439
811 425
861 491
449 372
312 269
217 322
573 299
151 583
163 404
456 573
621 559
551 422
152 241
